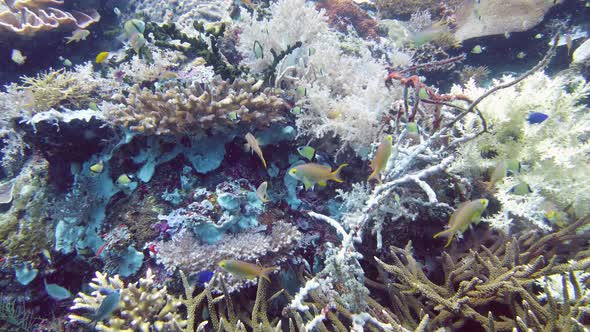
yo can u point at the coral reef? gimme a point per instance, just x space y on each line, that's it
405 8
187 253
343 13
25 229
503 273
493 17
554 160
179 110
30 17
143 305
53 89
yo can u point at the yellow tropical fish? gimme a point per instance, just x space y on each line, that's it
252 145
313 173
261 192
379 162
497 175
97 168
78 35
101 57
463 216
246 270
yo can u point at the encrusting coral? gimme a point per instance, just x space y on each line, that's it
186 253
143 306
30 17
188 110
26 227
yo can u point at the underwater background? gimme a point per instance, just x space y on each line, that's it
293 165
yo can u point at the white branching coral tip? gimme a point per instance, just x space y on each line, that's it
297 302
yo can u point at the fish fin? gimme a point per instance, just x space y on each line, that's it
263 161
335 175
374 175
449 241
322 183
248 148
266 271
307 183
445 233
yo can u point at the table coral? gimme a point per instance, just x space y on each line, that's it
181 110
144 306
30 17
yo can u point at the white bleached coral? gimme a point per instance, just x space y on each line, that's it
554 153
345 97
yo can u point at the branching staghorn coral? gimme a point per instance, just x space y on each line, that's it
143 306
54 89
504 273
179 110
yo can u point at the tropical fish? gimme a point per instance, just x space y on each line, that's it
521 189
136 42
301 91
463 216
78 35
233 116
306 152
313 173
204 277
539 36
513 166
56 291
246 270
101 57
477 49
261 192
107 306
132 27
123 179
379 162
97 168
498 174
536 117
252 145
296 110
520 55
17 57
258 50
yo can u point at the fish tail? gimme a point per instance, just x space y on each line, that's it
374 175
335 175
266 271
445 233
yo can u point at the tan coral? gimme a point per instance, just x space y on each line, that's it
179 110
29 17
143 306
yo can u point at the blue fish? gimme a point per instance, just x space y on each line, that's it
536 117
204 277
